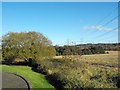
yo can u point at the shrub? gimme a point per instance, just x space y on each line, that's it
9 60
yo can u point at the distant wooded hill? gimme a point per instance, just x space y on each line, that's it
105 46
85 49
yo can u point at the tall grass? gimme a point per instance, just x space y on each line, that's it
82 73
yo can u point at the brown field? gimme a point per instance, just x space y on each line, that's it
107 60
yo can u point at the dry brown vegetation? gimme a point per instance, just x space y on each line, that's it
108 60
86 71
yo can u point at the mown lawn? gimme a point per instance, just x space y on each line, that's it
36 80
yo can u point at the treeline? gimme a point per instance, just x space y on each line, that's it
105 46
86 49
76 50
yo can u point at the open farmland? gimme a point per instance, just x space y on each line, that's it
108 60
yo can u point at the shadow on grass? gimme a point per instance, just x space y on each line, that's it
53 80
22 63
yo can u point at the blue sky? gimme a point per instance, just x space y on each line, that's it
63 22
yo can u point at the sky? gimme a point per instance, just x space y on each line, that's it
63 22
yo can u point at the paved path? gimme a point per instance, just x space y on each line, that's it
10 80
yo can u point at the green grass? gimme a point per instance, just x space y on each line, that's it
36 80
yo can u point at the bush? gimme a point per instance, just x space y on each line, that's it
9 60
56 80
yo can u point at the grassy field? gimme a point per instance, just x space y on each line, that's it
110 60
36 80
106 60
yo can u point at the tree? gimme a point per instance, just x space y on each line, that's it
27 45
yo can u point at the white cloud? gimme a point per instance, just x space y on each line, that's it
115 21
100 28
117 30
